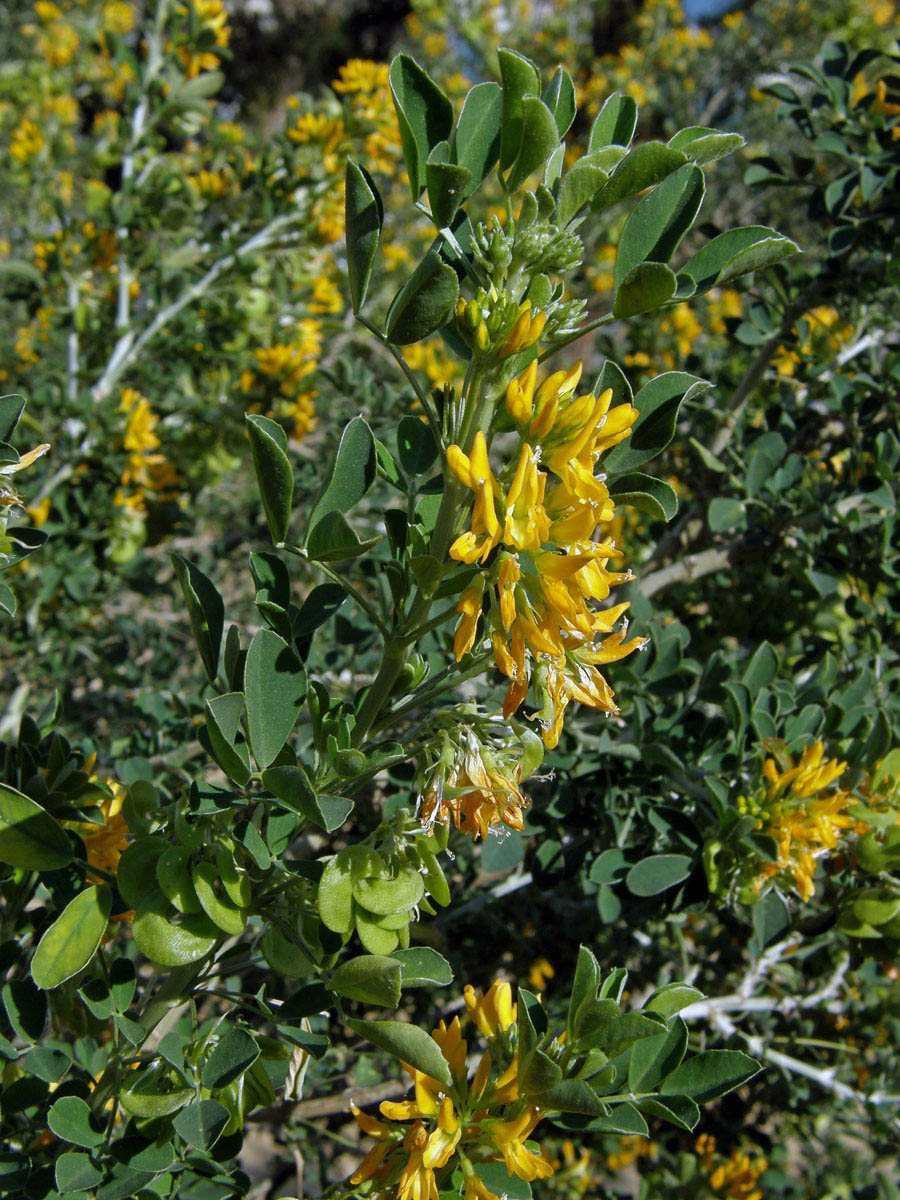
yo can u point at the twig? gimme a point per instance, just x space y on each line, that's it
693 567
138 124
128 347
72 345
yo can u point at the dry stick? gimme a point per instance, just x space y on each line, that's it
138 125
128 348
692 567
716 1009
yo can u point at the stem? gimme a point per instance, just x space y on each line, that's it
128 348
382 685
351 591
422 396
752 376
606 319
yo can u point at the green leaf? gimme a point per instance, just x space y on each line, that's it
274 688
70 1119
409 1044
582 181
624 1119
658 403
335 895
614 124
559 97
584 988
8 600
703 145
231 1056
292 786
659 221
370 979
424 303
539 138
447 184
423 967
671 999
646 287
649 495
364 217
26 1008
733 253
497 1179
521 79
334 540
538 1074
274 475
476 142
424 116
306 1002
351 474
75 1172
136 873
643 166
11 409
220 909
572 1096
653 875
206 611
653 1058
677 1110
168 943
395 894
201 1125
156 1093
416 447
710 1074
72 940
285 956
223 718
47 1063
725 512
29 836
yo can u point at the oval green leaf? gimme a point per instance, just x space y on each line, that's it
72 940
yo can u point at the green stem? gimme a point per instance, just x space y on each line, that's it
357 597
382 685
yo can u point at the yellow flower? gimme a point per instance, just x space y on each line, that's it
492 1012
361 75
479 1121
540 973
117 17
105 844
8 496
326 296
550 573
26 141
804 824
481 789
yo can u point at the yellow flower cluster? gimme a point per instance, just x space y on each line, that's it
820 332
541 515
26 141
105 844
804 824
735 1177
212 19
288 365
631 1149
148 473
479 790
475 1122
